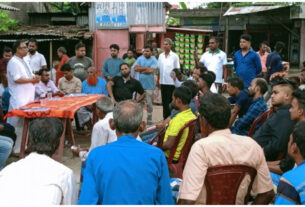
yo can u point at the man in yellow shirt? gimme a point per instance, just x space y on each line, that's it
181 99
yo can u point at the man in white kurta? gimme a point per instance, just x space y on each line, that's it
21 82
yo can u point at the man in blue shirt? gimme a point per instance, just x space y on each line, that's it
146 65
239 96
111 66
257 89
274 60
291 188
94 84
126 171
247 62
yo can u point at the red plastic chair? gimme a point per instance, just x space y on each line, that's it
222 183
261 118
177 166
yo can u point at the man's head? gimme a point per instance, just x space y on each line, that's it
33 45
198 71
7 53
104 105
125 70
234 86
154 45
156 53
147 51
297 110
205 81
127 118
130 53
213 43
181 97
302 76
192 86
263 46
45 134
67 71
91 76
258 87
61 51
20 48
80 50
215 113
279 46
296 144
245 41
44 75
282 92
114 50
168 43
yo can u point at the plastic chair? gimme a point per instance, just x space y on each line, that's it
177 166
222 183
260 119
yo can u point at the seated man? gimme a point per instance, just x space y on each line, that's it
257 89
45 85
181 101
123 87
92 85
7 139
297 113
274 134
221 147
238 96
290 190
102 133
69 84
126 171
205 82
38 179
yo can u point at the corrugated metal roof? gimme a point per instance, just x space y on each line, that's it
189 29
249 9
10 8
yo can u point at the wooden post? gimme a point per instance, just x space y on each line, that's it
227 35
51 59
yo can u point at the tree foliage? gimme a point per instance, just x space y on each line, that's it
69 7
7 23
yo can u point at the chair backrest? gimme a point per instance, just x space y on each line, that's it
188 143
260 119
222 183
159 137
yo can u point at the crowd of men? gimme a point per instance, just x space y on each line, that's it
122 164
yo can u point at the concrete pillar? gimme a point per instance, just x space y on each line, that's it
302 45
140 41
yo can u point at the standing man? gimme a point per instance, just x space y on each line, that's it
123 87
62 54
246 62
263 54
111 66
274 60
168 60
80 63
34 58
146 66
21 82
6 56
130 59
215 60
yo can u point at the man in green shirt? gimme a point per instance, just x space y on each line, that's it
130 60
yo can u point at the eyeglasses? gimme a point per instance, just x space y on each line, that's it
25 47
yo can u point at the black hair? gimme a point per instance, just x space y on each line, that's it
284 82
130 50
236 82
299 136
279 46
296 80
79 45
262 84
17 44
184 94
177 71
300 96
263 43
45 134
148 47
216 109
62 49
66 67
192 86
7 49
123 64
246 37
42 70
33 40
215 38
114 46
202 69
208 77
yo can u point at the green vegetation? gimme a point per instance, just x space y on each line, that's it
7 23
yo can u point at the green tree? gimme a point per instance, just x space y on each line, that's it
69 7
7 23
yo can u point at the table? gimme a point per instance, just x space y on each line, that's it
63 108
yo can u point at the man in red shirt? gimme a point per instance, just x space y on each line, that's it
62 54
